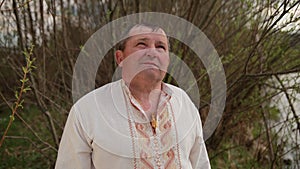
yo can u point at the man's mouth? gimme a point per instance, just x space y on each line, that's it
151 64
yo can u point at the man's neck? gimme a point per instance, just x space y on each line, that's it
146 93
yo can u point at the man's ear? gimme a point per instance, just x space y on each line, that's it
119 57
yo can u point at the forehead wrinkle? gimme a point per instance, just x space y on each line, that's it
143 39
140 37
147 36
135 32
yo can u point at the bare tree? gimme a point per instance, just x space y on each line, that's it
256 41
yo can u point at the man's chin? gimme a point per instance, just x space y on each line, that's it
153 74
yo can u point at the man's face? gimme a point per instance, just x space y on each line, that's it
146 55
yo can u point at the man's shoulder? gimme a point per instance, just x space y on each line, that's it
101 92
179 94
177 91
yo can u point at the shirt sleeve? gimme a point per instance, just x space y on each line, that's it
75 146
198 155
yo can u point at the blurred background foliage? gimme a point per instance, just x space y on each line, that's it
258 42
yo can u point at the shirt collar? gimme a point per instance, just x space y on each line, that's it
165 89
164 97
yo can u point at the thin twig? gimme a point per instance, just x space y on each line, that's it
274 73
290 103
35 134
16 7
26 70
2 3
14 110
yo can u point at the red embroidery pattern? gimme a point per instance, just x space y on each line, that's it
177 145
162 152
154 149
171 156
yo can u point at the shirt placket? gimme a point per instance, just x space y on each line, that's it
155 141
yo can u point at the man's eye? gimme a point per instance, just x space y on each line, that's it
141 44
162 47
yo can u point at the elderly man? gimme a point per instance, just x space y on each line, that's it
137 122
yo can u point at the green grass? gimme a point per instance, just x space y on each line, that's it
22 149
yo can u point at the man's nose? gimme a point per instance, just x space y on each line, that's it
152 52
